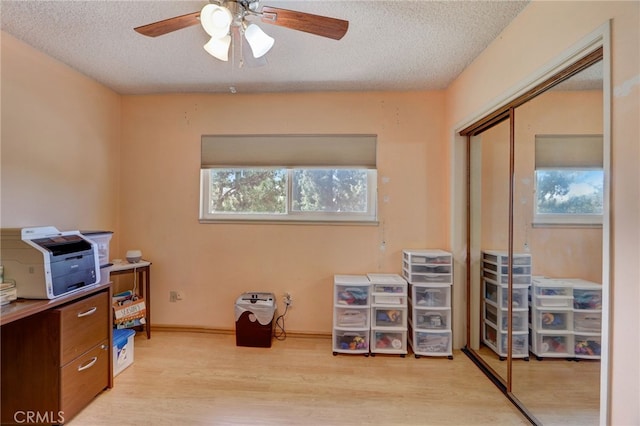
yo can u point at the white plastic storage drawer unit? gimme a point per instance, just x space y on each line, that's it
587 317
430 276
351 314
388 289
551 293
427 266
389 314
496 268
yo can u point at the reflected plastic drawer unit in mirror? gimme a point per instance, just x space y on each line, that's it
566 318
429 273
587 318
495 302
351 314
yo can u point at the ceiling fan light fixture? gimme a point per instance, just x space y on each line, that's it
259 41
216 20
219 47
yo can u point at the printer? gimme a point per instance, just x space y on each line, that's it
47 263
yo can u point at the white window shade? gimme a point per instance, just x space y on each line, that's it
289 151
569 151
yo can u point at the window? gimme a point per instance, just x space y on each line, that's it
569 180
288 178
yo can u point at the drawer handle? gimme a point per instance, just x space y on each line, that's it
89 364
87 312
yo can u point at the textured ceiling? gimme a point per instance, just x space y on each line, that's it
390 45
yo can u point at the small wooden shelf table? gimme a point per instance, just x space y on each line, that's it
143 271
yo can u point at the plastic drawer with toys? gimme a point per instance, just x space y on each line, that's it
552 344
587 346
545 319
383 316
356 342
389 342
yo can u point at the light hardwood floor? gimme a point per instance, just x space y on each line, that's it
554 390
186 378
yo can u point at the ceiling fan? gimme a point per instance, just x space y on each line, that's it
222 18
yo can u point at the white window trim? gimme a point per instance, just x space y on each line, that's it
541 220
368 218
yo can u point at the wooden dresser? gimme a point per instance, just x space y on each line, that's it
56 356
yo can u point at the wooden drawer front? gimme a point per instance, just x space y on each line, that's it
84 378
83 324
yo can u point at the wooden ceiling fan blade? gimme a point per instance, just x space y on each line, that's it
169 25
307 22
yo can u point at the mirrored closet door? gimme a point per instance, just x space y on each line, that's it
537 195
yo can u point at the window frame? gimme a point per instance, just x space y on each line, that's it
565 219
369 217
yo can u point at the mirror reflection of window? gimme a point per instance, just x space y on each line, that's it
569 178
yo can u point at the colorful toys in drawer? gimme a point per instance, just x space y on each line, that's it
587 346
386 340
353 296
554 344
554 321
585 299
389 317
352 342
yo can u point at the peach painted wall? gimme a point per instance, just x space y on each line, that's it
556 252
60 144
538 35
214 263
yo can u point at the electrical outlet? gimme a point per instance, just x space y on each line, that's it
180 295
173 296
287 299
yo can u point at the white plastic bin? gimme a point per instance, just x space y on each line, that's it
123 349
